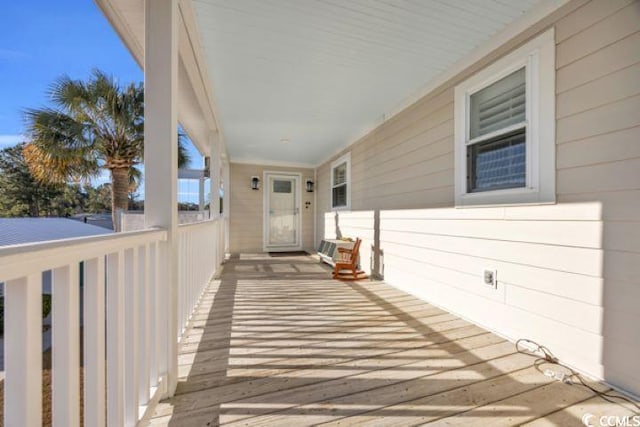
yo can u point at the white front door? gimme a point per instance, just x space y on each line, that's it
282 212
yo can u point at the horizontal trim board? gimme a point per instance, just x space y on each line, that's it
501 319
576 211
584 234
619 145
608 89
260 162
620 175
562 258
621 205
575 286
570 312
586 16
614 57
600 120
601 34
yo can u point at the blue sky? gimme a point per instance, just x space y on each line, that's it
41 40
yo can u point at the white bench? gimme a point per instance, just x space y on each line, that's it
328 250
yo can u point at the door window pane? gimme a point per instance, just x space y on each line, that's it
281 186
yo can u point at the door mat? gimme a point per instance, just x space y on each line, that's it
282 254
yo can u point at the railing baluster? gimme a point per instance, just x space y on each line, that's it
183 277
188 276
94 342
23 351
190 261
180 279
143 319
154 318
115 339
162 311
66 347
131 336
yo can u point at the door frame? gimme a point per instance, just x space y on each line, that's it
265 210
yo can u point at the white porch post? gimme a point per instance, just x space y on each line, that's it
161 161
224 164
201 193
214 175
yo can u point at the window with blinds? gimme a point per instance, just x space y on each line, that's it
339 185
504 128
496 142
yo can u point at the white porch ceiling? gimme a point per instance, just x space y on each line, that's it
319 73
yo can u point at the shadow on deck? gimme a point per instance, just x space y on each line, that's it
275 341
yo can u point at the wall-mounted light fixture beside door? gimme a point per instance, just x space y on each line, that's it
255 183
309 185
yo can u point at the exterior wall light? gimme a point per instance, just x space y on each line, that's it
255 183
309 185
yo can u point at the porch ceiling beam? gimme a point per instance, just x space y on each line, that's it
191 173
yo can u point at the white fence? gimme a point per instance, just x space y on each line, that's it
125 324
134 221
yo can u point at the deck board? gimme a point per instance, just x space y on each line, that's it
276 342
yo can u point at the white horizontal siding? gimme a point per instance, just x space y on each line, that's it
575 286
510 321
560 258
564 233
569 273
602 33
612 147
609 59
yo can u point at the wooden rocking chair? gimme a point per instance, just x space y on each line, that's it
346 267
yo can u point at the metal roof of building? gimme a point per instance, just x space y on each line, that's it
15 231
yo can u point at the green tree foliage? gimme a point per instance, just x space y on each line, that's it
21 194
94 124
98 198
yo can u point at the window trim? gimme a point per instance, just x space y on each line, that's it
538 57
346 158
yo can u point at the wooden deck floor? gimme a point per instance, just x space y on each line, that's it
276 342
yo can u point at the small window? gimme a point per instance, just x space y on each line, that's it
497 163
496 150
505 129
340 182
281 186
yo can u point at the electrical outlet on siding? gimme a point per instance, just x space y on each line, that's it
490 278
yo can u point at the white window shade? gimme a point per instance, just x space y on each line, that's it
341 182
498 106
340 174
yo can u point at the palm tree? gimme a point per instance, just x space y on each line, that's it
94 125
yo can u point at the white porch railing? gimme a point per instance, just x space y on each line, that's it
124 328
199 253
